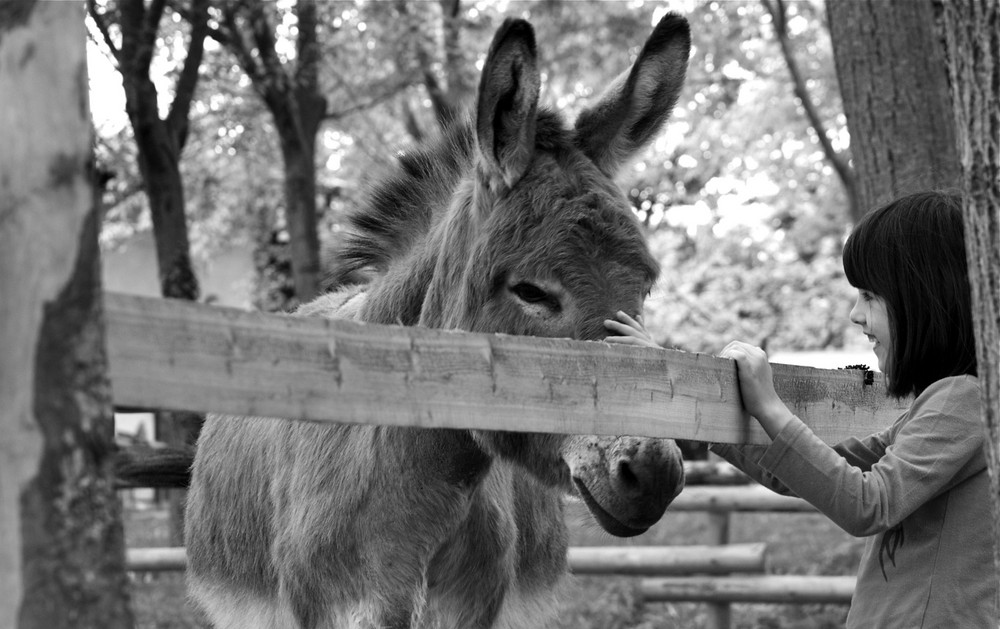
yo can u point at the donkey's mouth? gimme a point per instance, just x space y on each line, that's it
607 521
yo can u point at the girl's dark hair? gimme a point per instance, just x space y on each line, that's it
911 253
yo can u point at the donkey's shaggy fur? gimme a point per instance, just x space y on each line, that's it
509 223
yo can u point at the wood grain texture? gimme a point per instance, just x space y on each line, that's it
181 356
737 498
798 589
636 560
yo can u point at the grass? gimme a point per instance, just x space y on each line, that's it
798 543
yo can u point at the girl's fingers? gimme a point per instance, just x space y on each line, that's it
625 325
620 328
732 350
624 340
738 350
627 320
629 331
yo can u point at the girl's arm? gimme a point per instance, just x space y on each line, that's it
936 445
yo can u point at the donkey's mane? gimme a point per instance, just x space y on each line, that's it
405 203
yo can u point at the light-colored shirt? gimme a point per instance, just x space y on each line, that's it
919 490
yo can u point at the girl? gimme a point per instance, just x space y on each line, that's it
918 489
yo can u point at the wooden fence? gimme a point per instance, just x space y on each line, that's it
603 560
175 355
720 591
719 573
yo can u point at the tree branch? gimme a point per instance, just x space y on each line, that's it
102 26
233 38
276 82
368 104
411 122
441 100
779 17
177 119
150 25
307 47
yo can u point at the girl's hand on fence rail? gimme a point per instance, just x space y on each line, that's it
757 386
629 331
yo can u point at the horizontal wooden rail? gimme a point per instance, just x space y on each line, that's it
739 498
749 589
714 473
668 560
635 560
155 559
175 355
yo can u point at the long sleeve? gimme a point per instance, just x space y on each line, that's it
935 445
861 453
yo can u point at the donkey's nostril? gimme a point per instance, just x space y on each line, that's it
627 476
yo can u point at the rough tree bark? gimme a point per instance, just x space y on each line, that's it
62 555
893 79
972 29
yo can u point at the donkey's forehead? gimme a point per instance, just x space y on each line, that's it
569 227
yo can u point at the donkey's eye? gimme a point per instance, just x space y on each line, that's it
529 293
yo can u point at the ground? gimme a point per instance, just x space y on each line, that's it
798 543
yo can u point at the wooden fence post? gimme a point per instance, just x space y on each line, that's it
719 614
62 559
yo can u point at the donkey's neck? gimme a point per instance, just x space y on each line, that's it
419 287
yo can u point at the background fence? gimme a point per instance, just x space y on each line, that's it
718 574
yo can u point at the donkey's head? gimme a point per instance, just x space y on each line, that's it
540 241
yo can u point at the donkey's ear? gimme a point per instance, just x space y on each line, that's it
631 111
508 102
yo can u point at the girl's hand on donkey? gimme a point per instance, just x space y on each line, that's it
628 331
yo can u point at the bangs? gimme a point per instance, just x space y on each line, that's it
867 255
855 269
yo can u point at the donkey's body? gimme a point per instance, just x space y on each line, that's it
511 224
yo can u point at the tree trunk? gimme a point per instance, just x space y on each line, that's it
893 80
295 101
165 191
300 211
62 555
973 37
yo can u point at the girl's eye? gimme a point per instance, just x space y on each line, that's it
865 295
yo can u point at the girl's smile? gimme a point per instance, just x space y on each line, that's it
870 312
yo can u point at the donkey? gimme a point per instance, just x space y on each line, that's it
509 223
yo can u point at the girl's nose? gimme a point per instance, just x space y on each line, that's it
857 317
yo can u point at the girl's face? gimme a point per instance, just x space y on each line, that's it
871 314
